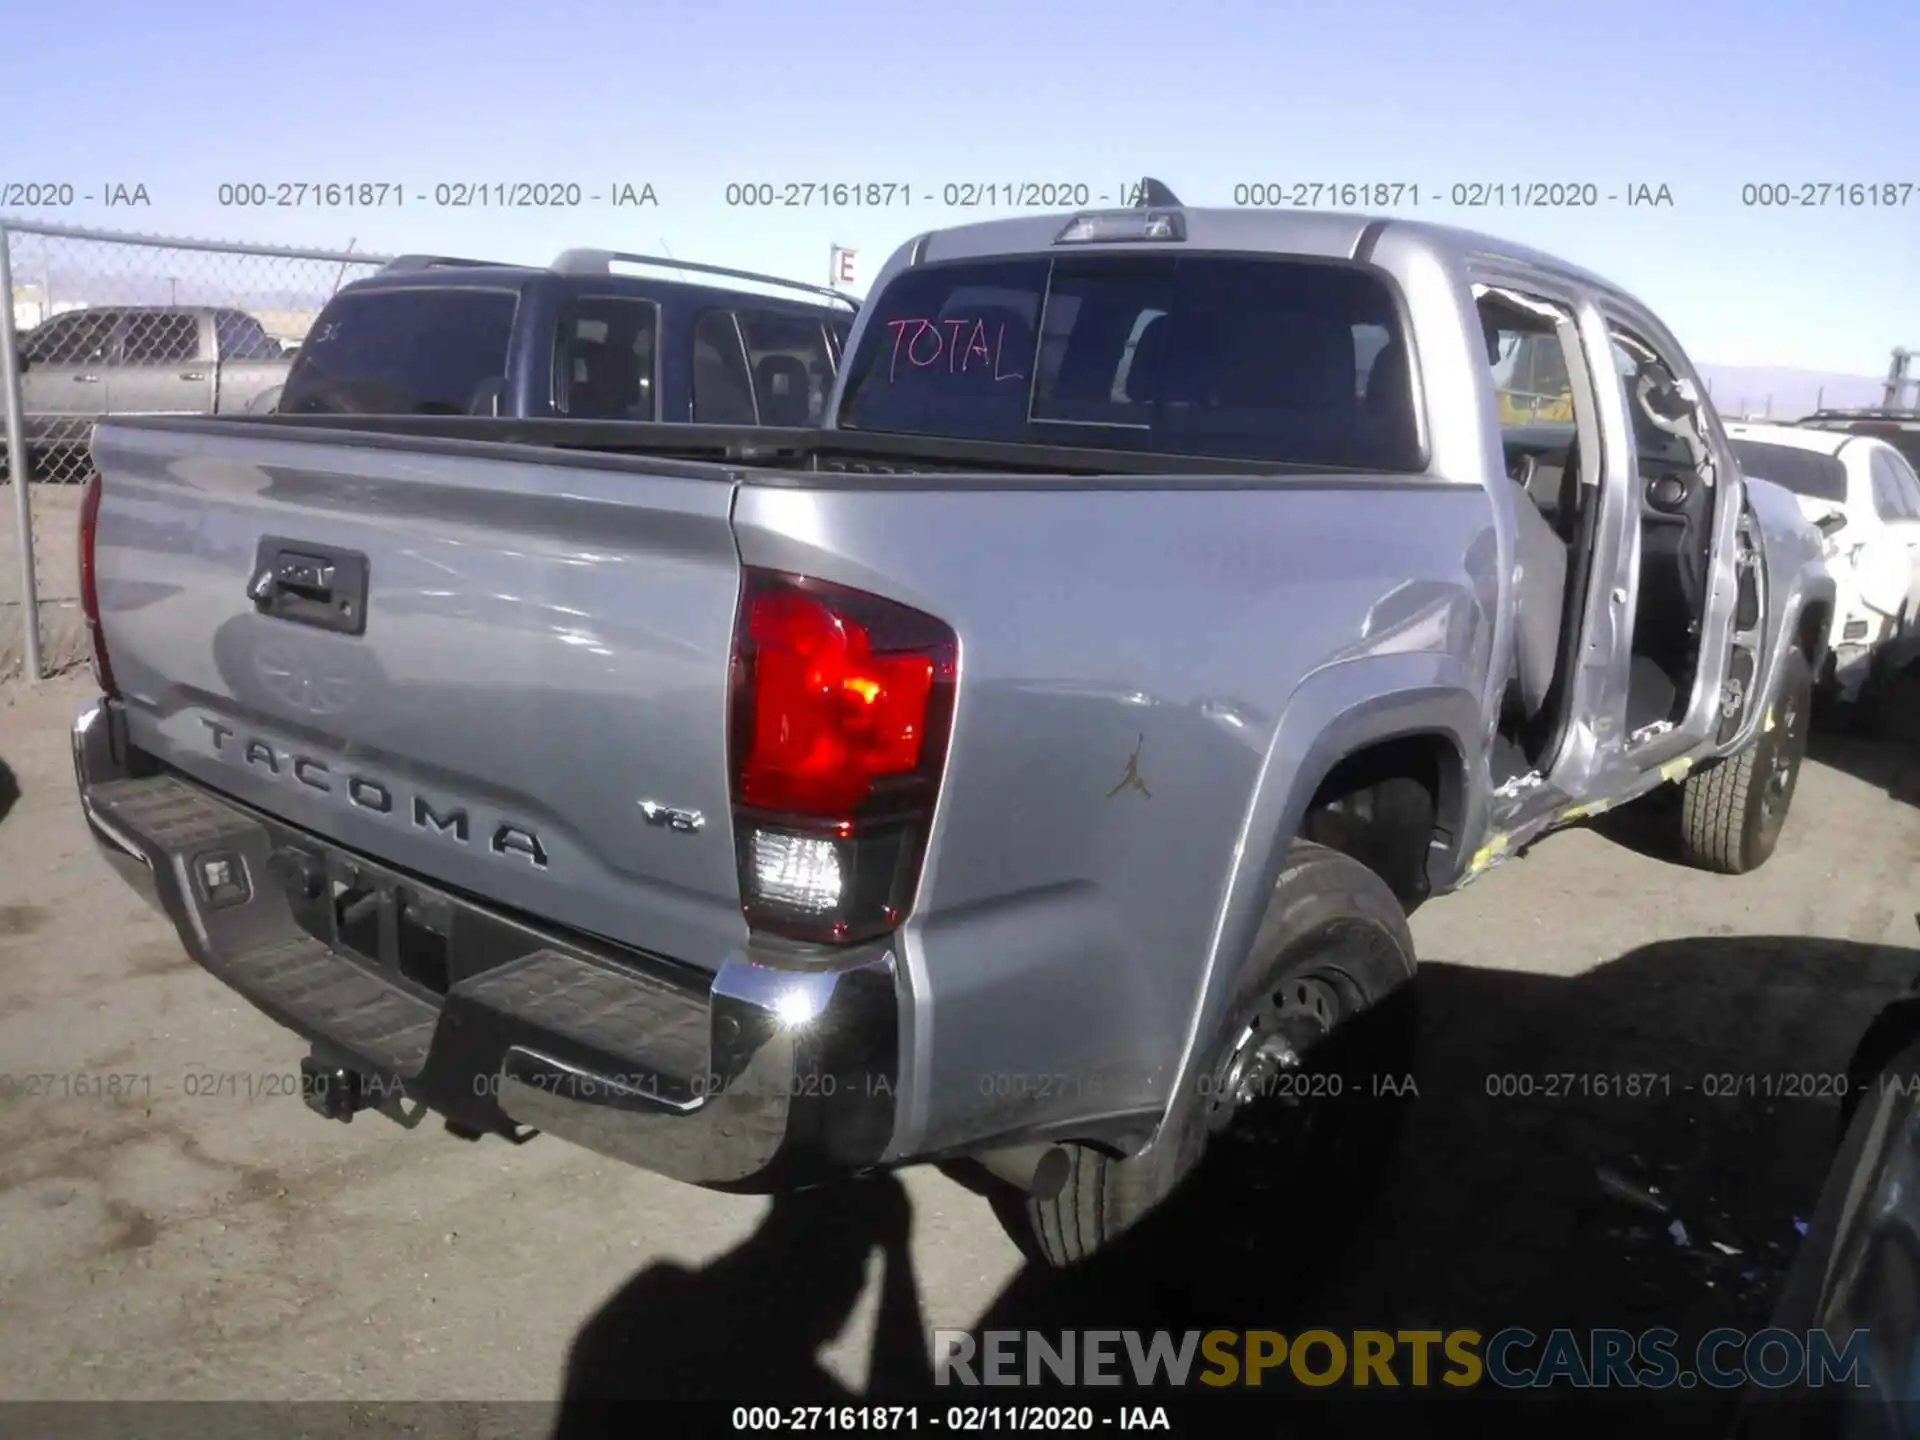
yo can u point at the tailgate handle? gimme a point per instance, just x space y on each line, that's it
310 584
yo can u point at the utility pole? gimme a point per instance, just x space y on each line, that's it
1897 378
342 273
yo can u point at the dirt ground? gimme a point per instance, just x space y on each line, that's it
182 1232
56 563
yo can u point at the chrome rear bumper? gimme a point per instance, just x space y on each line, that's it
753 1077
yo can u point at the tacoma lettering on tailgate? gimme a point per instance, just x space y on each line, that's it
364 792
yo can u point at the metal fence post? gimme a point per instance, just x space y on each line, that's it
17 470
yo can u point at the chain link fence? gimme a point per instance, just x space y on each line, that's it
104 324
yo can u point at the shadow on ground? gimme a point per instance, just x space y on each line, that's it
1891 766
9 790
1534 1182
1877 741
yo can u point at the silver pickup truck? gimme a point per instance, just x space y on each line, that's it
138 360
1033 765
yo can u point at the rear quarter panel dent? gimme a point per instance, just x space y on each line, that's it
1337 711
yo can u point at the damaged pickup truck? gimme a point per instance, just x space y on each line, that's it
1028 765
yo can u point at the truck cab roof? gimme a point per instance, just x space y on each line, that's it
1324 234
579 270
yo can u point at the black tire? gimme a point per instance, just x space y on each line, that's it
1334 943
1732 810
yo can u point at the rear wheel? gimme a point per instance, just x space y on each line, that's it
1732 810
1286 1092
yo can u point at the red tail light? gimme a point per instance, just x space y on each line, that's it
89 585
842 704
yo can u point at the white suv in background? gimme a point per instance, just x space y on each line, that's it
1866 497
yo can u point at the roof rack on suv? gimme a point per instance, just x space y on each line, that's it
601 262
437 262
1865 412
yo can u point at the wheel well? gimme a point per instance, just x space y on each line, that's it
1813 633
1386 804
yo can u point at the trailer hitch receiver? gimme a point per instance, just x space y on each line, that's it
331 1091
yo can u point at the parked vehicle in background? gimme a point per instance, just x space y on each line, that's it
1856 1275
1899 428
137 360
439 336
1036 762
1865 498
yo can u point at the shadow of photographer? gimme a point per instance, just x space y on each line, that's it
1529 1183
753 1321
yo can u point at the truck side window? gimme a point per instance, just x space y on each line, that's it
722 385
72 339
603 357
792 365
1657 450
160 338
1527 341
241 337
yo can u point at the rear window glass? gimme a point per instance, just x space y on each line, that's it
403 352
1289 361
1907 442
1818 477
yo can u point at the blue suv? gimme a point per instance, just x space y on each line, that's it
432 335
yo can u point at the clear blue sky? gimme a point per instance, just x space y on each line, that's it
1702 98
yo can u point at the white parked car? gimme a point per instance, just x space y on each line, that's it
1865 496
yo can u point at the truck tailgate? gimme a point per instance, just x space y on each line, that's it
542 651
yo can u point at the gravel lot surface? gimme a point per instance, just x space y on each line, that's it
195 1236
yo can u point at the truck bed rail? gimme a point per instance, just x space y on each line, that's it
756 447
